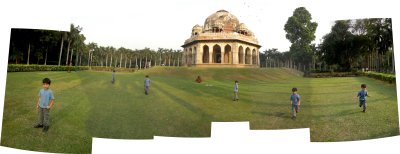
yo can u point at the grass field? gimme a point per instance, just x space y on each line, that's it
88 105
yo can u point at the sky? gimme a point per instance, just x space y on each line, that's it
155 23
168 23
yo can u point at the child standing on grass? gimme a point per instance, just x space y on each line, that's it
113 77
295 102
44 103
362 94
146 85
236 91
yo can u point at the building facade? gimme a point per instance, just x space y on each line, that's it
221 42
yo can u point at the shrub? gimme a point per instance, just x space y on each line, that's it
391 78
117 69
331 74
32 68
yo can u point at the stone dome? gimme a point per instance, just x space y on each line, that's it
242 27
196 30
221 20
197 27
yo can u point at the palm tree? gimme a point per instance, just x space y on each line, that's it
79 45
91 47
63 36
73 35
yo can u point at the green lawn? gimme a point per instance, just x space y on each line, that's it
88 105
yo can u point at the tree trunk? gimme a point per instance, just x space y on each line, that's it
169 60
111 60
91 58
45 59
76 57
145 64
130 63
70 60
393 69
136 62
126 58
69 44
140 62
178 60
106 60
61 49
160 60
80 59
29 53
88 59
120 61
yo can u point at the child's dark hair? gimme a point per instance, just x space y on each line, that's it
363 85
47 80
236 81
294 89
147 76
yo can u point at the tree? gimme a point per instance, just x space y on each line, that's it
91 47
73 35
361 43
15 54
39 56
79 46
47 41
300 31
63 36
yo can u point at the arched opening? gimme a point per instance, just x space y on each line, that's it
254 55
228 54
217 54
205 54
241 61
247 60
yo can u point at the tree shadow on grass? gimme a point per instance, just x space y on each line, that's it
273 114
186 105
340 114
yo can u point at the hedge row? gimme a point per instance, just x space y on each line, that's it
391 78
117 69
331 74
380 76
32 68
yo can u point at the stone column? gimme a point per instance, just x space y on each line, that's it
199 55
210 54
258 57
235 53
244 55
251 57
183 57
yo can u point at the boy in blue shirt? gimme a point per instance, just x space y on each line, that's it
236 91
295 102
362 94
44 103
146 85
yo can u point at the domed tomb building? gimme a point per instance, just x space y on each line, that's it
222 42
